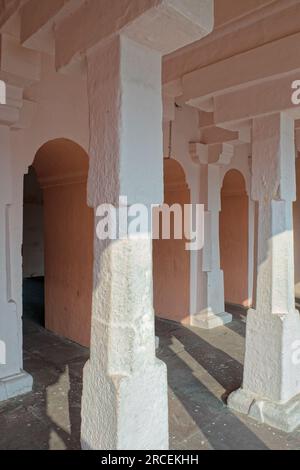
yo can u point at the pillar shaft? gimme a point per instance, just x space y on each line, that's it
211 311
271 373
13 381
274 318
211 261
125 387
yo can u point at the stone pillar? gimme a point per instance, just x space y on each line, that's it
272 368
13 380
211 304
124 402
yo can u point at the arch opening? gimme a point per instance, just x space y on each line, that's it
171 261
234 240
58 241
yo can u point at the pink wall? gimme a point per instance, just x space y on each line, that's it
171 262
62 168
234 238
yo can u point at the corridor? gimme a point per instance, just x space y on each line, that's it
203 367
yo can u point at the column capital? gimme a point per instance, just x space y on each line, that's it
217 154
16 113
160 25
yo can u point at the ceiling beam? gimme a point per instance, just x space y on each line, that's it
37 19
268 97
270 23
252 67
163 25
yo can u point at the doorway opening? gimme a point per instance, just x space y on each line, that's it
234 240
33 250
171 260
58 231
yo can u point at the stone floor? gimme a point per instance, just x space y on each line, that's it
203 367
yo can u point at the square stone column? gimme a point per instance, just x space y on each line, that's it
124 402
271 384
210 298
13 380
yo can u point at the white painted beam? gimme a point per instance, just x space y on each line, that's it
277 20
265 98
18 65
163 25
37 19
255 66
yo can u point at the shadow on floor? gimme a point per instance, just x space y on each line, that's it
49 417
202 368
201 376
239 315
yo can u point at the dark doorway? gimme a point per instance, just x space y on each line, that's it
33 251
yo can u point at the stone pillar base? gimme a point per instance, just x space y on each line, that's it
208 321
125 412
15 385
283 416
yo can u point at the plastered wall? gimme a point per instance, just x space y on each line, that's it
62 169
171 261
234 238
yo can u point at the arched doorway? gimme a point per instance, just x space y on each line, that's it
61 168
171 261
234 239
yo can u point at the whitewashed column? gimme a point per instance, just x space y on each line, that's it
272 368
124 402
13 380
210 297
125 387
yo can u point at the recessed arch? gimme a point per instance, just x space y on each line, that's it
171 261
61 167
234 238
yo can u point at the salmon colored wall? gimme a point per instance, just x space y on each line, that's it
62 168
234 238
297 231
171 262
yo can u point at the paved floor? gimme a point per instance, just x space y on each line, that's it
203 367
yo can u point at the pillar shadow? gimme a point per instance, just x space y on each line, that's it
229 374
51 359
42 420
239 319
220 426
